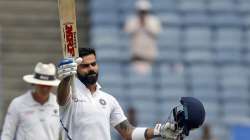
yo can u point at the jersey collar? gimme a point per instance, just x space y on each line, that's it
81 86
32 102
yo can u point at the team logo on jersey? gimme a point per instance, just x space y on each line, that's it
55 111
102 102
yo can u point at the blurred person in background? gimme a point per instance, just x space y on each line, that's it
143 29
87 112
132 116
34 115
206 133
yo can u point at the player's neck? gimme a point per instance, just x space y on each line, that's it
92 88
40 97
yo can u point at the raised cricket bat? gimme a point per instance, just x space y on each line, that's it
67 16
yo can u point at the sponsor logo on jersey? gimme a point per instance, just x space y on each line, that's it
78 100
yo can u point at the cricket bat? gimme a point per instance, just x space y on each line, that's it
67 17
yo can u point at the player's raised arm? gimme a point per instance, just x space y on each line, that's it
66 69
63 91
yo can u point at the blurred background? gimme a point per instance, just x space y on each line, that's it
203 51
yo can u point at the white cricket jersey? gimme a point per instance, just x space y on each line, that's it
88 116
27 119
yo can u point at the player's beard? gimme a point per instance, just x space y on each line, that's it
88 79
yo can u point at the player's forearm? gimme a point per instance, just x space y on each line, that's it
125 129
63 91
129 132
149 134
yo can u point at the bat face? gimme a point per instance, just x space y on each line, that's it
67 16
70 40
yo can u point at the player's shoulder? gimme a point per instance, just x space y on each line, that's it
20 99
112 101
107 95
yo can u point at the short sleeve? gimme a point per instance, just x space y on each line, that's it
117 115
11 122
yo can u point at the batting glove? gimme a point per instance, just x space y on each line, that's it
167 131
67 67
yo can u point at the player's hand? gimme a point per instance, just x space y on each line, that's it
167 131
68 67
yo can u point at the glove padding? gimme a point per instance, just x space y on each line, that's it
67 67
167 131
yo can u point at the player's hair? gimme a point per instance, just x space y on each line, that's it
86 51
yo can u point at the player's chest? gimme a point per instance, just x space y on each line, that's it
88 107
38 115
